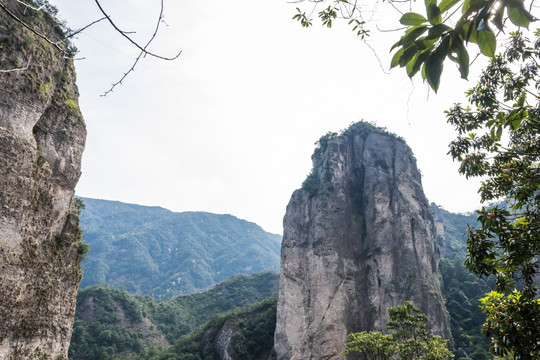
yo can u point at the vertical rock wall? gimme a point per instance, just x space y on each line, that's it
42 136
358 239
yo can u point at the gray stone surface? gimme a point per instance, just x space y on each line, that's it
42 136
358 239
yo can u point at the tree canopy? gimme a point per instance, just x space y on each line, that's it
499 139
409 340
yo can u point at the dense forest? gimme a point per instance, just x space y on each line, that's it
112 323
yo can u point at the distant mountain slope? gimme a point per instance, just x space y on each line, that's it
452 230
121 325
154 251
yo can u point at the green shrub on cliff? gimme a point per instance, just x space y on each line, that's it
410 339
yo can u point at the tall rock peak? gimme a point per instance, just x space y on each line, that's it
42 136
359 238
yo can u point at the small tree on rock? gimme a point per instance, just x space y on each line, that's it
410 339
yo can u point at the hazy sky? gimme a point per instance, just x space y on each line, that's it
230 126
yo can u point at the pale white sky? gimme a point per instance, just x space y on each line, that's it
230 126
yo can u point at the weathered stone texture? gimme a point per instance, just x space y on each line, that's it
358 239
42 136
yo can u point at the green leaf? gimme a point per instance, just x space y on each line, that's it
408 54
470 32
416 62
499 133
447 4
521 100
487 42
425 43
498 18
412 19
412 34
475 5
518 15
411 64
516 124
434 14
433 71
442 49
462 57
396 45
395 59
437 30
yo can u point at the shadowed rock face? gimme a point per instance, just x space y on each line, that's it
358 239
42 137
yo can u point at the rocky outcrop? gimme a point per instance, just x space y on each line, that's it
42 136
358 239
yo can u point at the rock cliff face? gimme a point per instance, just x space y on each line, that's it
358 239
42 137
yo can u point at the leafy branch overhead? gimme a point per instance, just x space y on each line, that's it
429 40
432 38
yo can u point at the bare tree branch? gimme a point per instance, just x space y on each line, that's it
16 18
143 52
123 33
83 28
143 49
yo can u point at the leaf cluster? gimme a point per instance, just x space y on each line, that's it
462 292
514 320
429 39
340 9
410 339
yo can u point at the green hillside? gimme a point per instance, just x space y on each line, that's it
114 324
157 252
241 334
111 323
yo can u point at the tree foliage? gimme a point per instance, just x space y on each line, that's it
121 325
444 32
462 292
409 340
499 139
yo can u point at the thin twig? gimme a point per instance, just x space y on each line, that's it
377 57
143 52
123 33
84 28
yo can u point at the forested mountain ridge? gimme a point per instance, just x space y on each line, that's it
157 252
112 322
